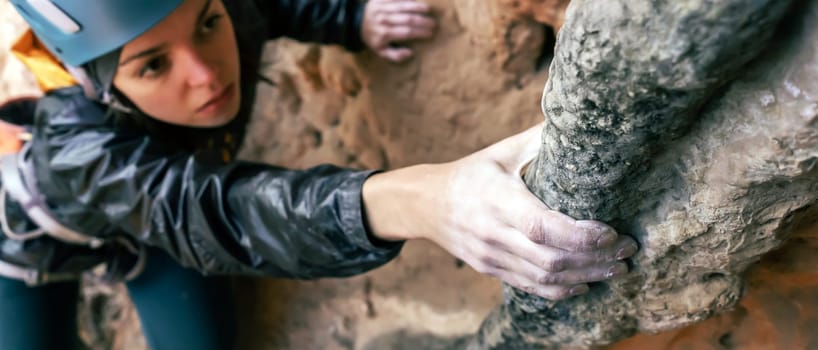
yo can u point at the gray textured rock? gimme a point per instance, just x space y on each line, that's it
643 132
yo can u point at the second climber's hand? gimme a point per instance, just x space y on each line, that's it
388 24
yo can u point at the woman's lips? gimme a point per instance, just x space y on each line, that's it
219 101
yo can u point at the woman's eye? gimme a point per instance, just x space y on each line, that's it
211 22
152 68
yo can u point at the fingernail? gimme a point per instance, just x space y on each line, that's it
606 238
577 290
616 270
626 252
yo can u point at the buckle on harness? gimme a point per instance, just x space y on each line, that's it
12 167
108 271
32 277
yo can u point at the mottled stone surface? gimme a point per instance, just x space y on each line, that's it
780 310
642 132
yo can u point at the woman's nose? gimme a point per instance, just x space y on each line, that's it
199 71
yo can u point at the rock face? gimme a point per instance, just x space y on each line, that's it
643 132
13 79
479 80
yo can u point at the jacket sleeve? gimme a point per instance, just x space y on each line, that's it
320 21
240 218
42 253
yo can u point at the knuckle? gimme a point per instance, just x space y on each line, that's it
586 241
595 234
483 268
559 294
490 262
549 278
402 31
378 38
490 271
477 251
537 233
402 19
389 32
583 237
601 256
412 20
554 263
529 289
591 277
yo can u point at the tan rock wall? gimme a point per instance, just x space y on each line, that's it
478 81
14 80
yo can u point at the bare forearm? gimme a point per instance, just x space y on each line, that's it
401 204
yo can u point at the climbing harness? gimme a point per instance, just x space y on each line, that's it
23 189
19 184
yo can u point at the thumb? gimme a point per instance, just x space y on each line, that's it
517 151
396 54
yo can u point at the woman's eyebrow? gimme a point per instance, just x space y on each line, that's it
158 48
148 52
203 11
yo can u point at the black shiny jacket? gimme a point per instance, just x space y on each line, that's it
178 188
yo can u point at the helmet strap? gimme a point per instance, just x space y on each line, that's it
97 81
82 78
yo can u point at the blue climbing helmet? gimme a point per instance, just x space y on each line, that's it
78 31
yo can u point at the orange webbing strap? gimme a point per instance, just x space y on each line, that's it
11 138
48 70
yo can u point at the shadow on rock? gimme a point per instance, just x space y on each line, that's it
406 340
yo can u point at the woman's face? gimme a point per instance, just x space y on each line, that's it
184 70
